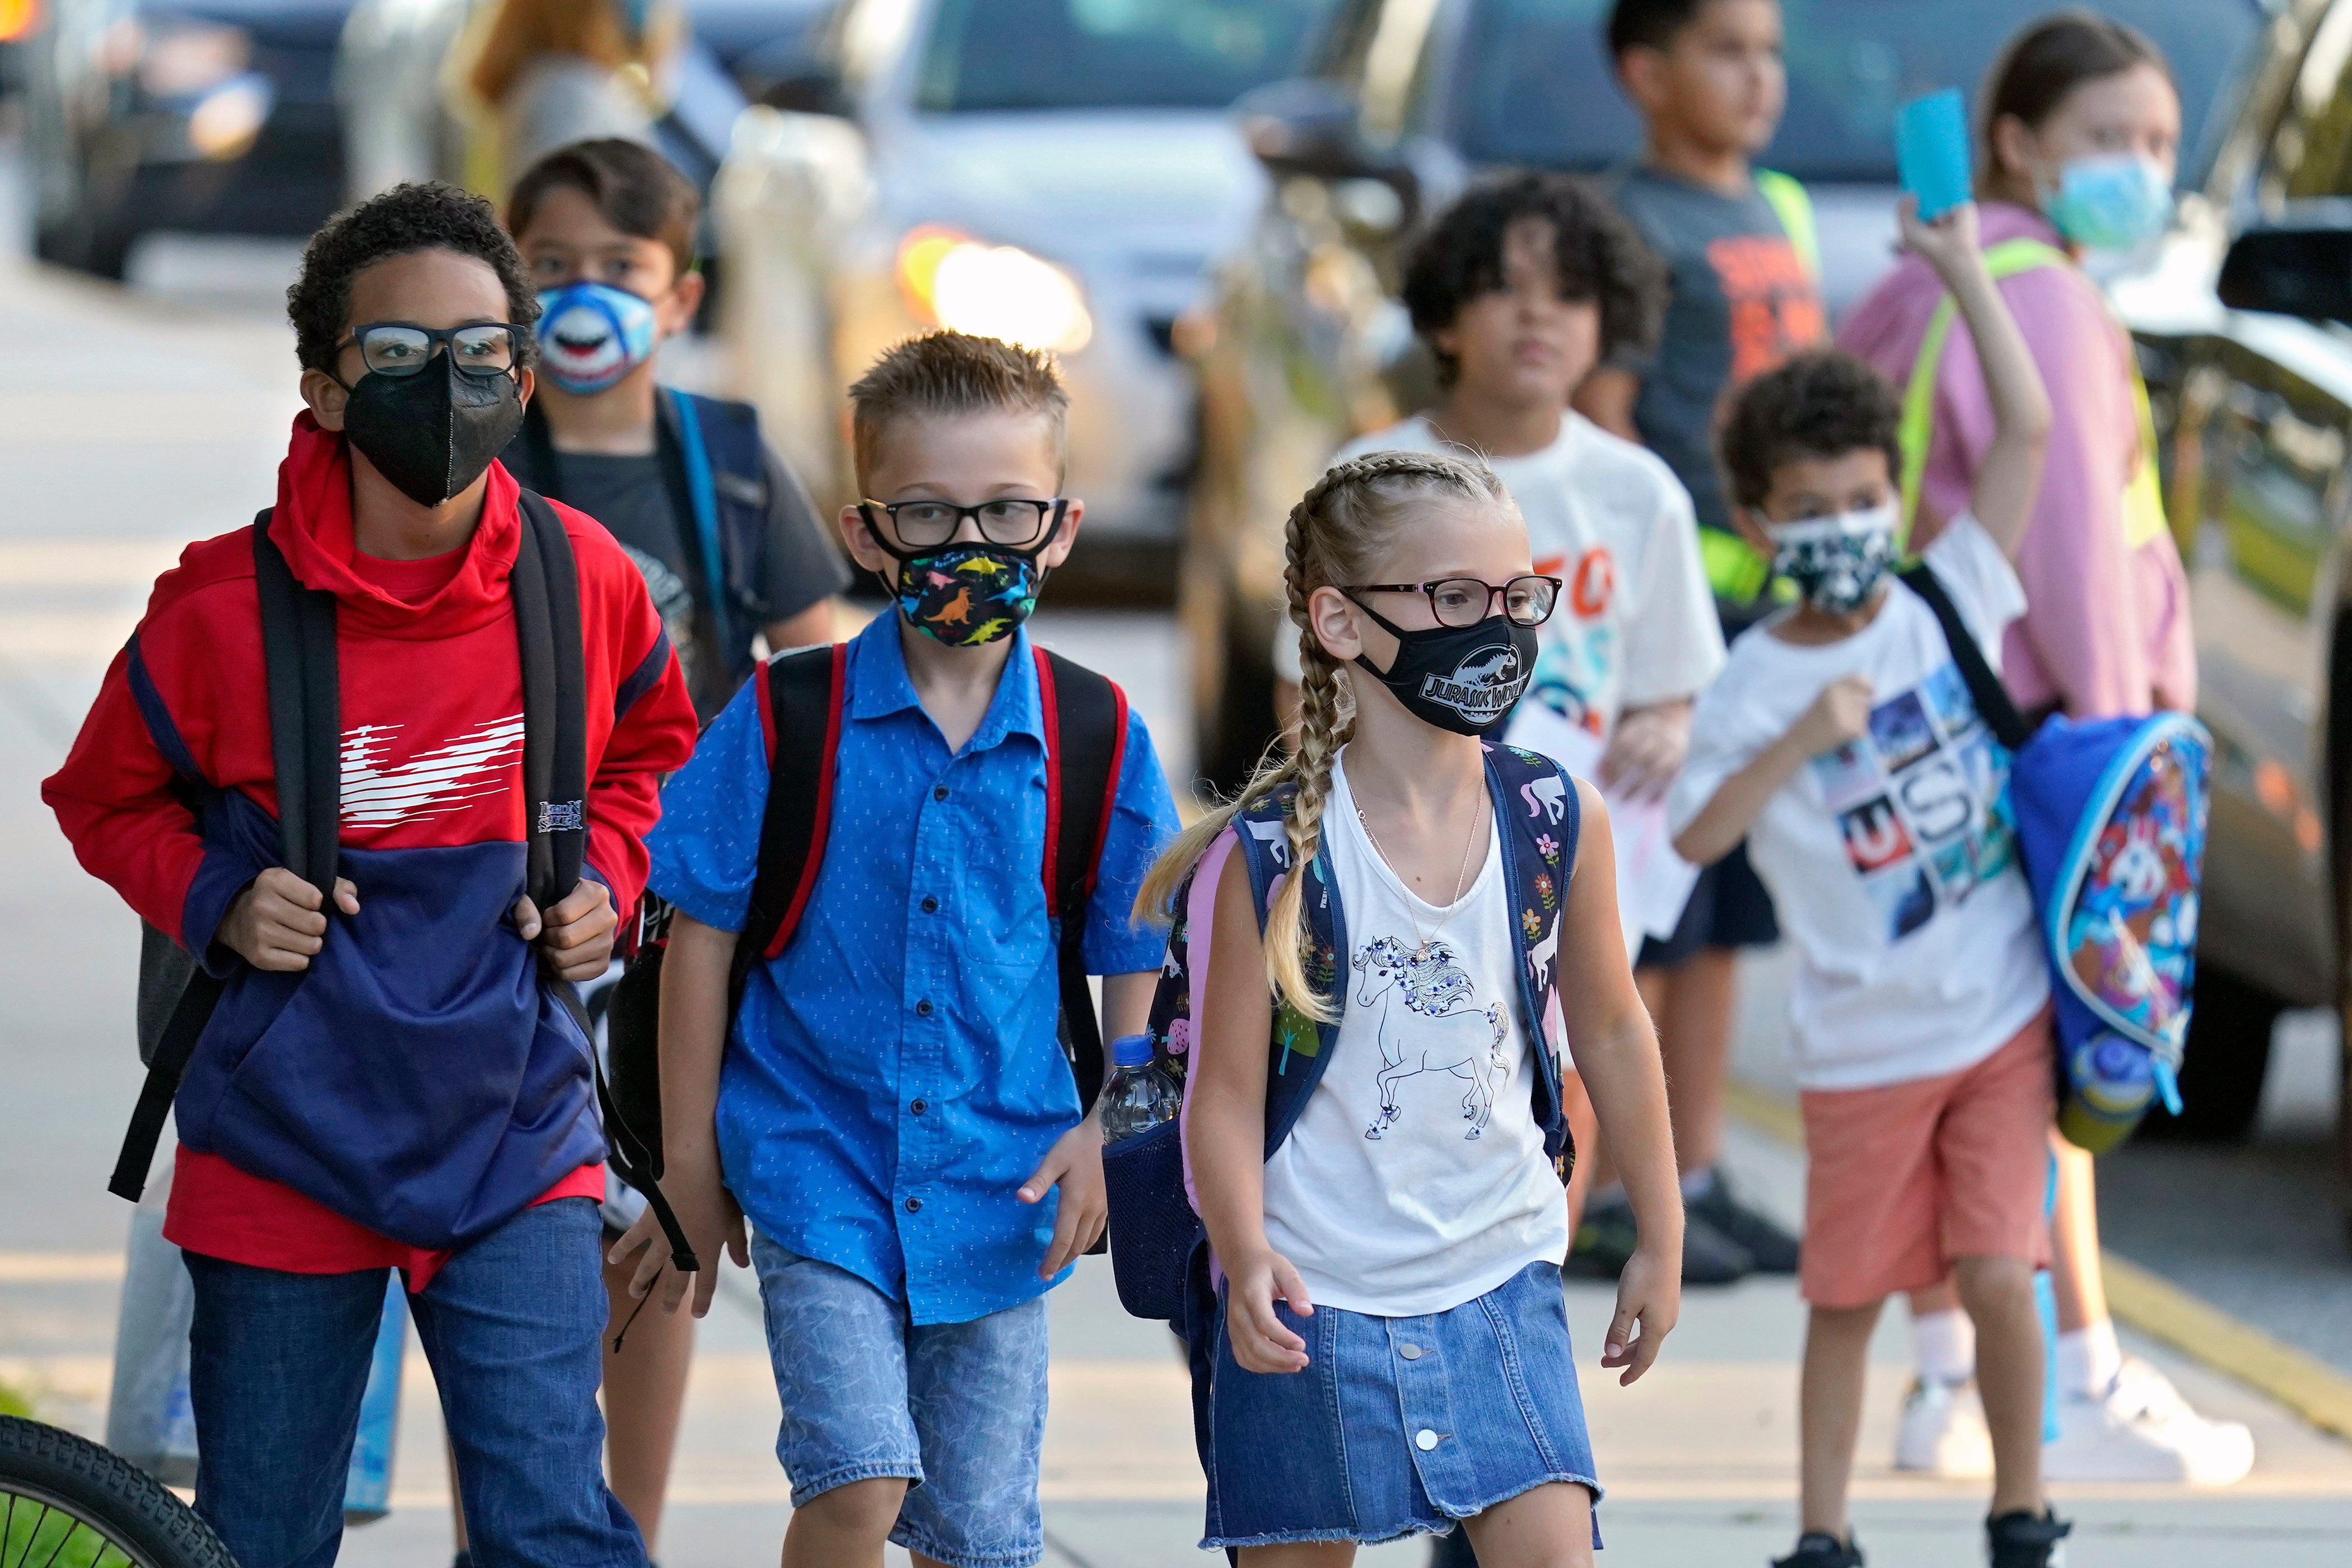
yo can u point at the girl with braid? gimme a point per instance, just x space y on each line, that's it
1379 1160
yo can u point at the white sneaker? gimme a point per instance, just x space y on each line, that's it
1942 1431
2143 1430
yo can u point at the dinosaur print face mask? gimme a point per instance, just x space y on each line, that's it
967 595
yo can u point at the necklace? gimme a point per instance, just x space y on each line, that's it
1461 876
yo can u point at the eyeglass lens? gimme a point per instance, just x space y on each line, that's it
486 350
1464 601
924 522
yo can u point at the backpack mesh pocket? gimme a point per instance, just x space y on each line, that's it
1153 1229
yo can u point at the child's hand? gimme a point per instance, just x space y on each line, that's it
1260 1341
706 1210
275 923
1647 750
1949 244
1650 1294
1074 1164
1841 713
576 937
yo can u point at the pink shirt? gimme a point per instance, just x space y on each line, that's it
2105 629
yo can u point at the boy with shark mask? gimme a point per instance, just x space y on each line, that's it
728 539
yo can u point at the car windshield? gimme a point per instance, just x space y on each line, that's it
1109 54
1535 84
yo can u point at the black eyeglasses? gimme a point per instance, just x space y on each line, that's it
485 349
925 524
1464 600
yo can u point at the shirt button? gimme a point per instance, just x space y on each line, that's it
939 791
923 1008
930 906
919 1107
915 1206
1423 1439
1410 1352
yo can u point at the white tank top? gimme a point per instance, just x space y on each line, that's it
1415 1179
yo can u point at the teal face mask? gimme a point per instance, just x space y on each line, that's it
2110 203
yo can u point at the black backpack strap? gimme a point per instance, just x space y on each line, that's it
297 648
801 695
1086 743
1991 698
546 587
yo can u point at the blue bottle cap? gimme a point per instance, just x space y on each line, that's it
1132 1051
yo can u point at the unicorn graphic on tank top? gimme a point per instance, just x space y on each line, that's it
1430 1021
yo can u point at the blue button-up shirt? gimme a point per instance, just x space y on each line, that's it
894 1077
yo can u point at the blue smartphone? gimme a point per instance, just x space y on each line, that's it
1931 151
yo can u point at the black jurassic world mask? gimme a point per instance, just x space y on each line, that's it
1463 678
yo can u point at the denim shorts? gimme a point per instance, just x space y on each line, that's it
958 1409
1399 1425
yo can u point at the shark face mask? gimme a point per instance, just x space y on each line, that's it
591 335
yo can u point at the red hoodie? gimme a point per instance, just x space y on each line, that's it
431 691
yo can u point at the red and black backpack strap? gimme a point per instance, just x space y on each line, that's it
1084 717
801 695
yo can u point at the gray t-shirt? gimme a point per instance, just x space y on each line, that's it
1742 303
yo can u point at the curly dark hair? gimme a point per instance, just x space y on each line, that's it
1600 255
424 215
1820 404
1649 23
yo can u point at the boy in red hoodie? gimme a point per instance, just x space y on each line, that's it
386 1083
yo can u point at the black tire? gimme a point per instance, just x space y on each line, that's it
2228 1056
118 1514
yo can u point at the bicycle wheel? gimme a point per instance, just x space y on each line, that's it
65 1503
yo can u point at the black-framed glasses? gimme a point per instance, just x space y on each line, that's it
927 524
1466 601
403 347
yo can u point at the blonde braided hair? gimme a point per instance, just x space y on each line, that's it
1345 520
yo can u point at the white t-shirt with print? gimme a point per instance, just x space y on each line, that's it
1636 621
1892 861
1415 1179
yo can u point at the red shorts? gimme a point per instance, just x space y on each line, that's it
1906 1177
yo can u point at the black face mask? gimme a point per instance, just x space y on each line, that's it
1463 678
433 433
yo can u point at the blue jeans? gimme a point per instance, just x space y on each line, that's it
278 1362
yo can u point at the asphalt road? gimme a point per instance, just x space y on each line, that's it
130 423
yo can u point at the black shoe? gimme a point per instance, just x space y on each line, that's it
2022 1539
1606 1241
1453 1550
1819 1549
1774 1249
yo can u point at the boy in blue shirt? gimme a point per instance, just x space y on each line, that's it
895 1115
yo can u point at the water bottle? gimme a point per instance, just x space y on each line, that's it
1137 1096
2112 1081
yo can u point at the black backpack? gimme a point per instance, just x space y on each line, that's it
297 639
804 690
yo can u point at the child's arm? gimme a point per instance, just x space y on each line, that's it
693 1026
1841 713
1617 1054
1224 1133
2010 476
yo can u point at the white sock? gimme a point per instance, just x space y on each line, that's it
1698 1183
2088 1359
1946 1344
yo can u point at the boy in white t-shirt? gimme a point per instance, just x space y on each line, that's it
1841 742
1519 289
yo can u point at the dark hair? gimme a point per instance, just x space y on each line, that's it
635 188
426 216
2044 62
1820 404
953 372
1650 24
1600 257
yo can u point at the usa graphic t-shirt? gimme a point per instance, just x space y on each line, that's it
1415 1179
1892 861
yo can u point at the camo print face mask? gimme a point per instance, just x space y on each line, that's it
1837 562
968 596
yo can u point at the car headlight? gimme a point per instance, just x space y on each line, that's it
991 291
224 124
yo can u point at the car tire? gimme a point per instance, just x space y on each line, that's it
2228 1058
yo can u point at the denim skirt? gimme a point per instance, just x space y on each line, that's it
1397 1425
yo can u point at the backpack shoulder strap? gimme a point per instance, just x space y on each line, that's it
702 503
801 695
1084 719
1793 206
1993 702
546 587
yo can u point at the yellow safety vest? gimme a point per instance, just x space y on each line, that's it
1734 569
2143 496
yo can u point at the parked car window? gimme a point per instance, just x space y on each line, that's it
1110 54
1534 83
2311 154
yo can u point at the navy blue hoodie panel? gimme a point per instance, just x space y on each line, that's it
467 1096
160 728
643 678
